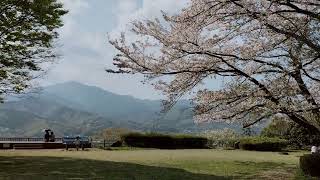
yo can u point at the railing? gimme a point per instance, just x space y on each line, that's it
102 143
25 139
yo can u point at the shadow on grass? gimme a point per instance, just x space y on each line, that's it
68 168
262 165
265 170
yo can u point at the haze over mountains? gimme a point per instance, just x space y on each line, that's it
74 108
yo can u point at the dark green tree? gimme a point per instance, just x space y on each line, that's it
28 29
301 137
279 127
297 136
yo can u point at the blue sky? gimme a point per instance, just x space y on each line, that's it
83 44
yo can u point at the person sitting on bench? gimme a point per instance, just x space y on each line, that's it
52 137
46 136
77 142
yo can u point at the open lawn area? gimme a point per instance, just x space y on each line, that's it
147 164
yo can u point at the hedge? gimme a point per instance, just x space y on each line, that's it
310 164
262 144
161 141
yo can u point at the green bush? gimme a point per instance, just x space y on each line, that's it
161 141
222 138
227 143
116 144
310 164
262 144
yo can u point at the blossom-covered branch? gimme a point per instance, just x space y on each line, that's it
268 51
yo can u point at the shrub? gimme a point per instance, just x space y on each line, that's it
112 134
161 141
262 144
310 164
116 144
226 138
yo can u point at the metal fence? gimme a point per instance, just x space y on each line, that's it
102 143
25 139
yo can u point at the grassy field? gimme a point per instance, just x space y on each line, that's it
147 164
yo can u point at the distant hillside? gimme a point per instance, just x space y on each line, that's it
74 108
99 101
30 116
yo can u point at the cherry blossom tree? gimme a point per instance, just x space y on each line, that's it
266 51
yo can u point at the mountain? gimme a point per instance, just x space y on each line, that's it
74 108
29 116
101 102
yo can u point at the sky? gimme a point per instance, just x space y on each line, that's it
83 44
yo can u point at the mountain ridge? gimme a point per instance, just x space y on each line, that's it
75 108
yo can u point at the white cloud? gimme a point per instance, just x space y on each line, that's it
85 50
74 7
150 9
127 6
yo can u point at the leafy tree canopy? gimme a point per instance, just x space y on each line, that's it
296 135
27 31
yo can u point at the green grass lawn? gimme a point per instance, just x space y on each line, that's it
147 164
